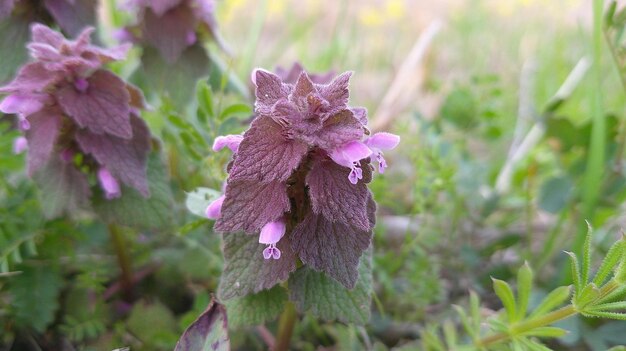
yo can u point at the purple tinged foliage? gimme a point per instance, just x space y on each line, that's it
71 15
300 175
68 104
171 26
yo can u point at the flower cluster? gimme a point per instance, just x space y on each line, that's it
299 175
171 26
71 15
79 120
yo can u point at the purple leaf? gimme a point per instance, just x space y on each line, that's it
248 205
33 77
168 33
124 158
334 248
44 35
338 129
72 16
45 127
102 108
265 154
64 189
336 93
208 333
269 89
335 198
6 6
245 269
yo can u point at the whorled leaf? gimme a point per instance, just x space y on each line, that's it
248 205
124 158
63 188
256 309
245 269
326 298
133 210
332 247
35 295
208 333
103 108
265 154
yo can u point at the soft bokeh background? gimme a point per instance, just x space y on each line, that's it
482 78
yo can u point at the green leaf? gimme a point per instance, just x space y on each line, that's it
533 345
619 305
612 259
208 333
198 200
15 34
328 299
605 314
554 299
578 284
245 270
204 94
153 324
505 293
524 287
176 80
586 268
133 210
555 194
460 108
236 110
256 309
35 293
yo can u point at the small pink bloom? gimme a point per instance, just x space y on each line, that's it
230 141
382 141
349 156
214 210
23 105
20 144
109 184
271 233
123 35
81 84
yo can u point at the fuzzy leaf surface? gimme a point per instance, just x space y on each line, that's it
326 298
256 309
245 269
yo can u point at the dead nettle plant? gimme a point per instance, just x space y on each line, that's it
88 147
296 214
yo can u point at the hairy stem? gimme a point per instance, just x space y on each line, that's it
285 327
123 260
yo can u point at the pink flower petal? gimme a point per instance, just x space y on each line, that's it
383 141
109 184
24 104
20 144
214 210
230 141
350 152
272 232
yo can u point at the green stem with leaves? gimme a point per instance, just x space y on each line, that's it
542 321
123 260
286 324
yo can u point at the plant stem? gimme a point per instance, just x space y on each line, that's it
285 327
522 327
123 259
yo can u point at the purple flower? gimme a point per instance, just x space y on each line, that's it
301 172
109 184
271 233
20 144
171 26
214 210
68 104
379 142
